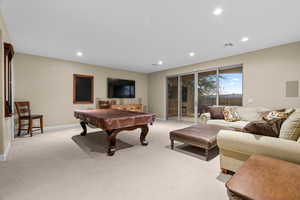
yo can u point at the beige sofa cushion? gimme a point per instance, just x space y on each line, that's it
290 129
250 113
249 144
239 125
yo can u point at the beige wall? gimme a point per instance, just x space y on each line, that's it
48 85
265 74
6 127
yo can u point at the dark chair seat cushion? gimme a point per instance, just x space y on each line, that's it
34 116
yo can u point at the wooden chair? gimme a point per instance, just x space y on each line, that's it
104 104
24 114
113 102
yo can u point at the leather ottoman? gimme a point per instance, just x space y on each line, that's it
264 178
200 135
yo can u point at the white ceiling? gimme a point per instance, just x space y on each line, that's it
133 34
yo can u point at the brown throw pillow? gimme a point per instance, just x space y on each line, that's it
267 128
216 112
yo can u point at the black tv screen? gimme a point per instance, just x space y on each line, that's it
119 88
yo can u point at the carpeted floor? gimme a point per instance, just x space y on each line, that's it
61 165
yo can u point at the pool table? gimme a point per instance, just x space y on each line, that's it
114 121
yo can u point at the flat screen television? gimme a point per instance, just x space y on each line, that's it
119 88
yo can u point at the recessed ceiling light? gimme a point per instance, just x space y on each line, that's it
79 53
218 11
192 54
160 62
244 39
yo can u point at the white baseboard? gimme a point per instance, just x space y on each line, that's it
161 119
50 128
3 157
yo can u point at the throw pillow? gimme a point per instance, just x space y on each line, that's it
267 128
264 114
216 112
291 127
279 114
230 114
290 110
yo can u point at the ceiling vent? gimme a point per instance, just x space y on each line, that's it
228 44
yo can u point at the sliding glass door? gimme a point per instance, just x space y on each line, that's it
187 85
172 98
187 98
207 90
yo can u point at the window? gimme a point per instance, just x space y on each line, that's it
223 86
83 89
231 87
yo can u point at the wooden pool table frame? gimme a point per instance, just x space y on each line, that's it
112 135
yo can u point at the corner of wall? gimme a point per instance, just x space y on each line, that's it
5 128
3 156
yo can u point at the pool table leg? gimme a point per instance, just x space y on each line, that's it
83 125
111 140
144 133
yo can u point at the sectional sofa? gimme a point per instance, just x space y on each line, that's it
236 146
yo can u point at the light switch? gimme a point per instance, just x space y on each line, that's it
292 89
250 100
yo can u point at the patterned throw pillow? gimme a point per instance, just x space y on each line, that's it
279 114
264 114
231 115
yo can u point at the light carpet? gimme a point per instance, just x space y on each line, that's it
60 165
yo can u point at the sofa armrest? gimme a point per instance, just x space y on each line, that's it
204 117
250 144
